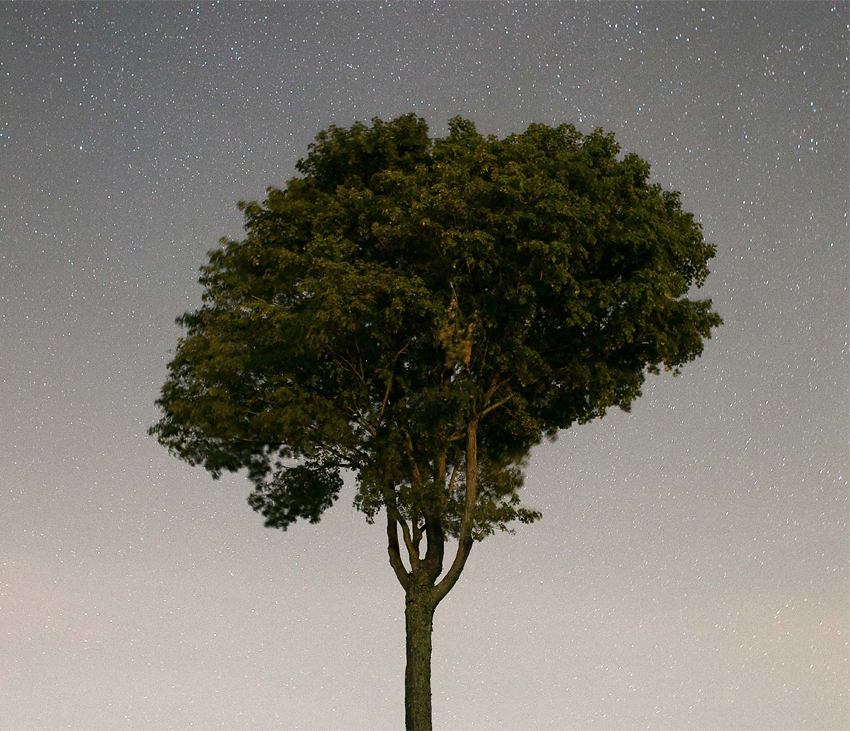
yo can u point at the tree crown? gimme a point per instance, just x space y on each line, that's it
404 293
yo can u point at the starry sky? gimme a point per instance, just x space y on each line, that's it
690 571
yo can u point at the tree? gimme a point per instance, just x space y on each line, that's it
422 313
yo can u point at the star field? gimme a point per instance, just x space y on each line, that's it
690 570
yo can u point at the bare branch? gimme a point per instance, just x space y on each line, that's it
384 402
496 405
464 544
395 554
495 387
417 476
440 465
412 553
408 541
452 480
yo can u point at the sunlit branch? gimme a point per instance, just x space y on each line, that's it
496 405
452 479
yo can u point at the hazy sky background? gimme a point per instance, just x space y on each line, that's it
690 571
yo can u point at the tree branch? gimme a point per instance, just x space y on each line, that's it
412 553
464 544
436 547
495 387
363 422
496 405
389 385
416 533
384 402
347 364
350 461
452 480
417 476
395 554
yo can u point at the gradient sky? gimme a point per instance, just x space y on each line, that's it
690 571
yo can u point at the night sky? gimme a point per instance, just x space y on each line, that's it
691 567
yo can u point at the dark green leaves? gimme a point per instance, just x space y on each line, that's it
405 286
304 491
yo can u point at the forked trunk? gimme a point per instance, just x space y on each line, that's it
419 616
421 594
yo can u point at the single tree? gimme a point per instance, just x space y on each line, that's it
422 313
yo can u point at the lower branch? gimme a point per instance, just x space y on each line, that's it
395 553
395 515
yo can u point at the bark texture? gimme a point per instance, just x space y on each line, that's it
419 617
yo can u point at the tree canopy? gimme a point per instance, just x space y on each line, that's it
403 287
423 312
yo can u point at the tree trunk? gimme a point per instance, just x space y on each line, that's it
421 594
419 616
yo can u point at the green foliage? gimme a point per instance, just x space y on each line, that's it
404 288
302 491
